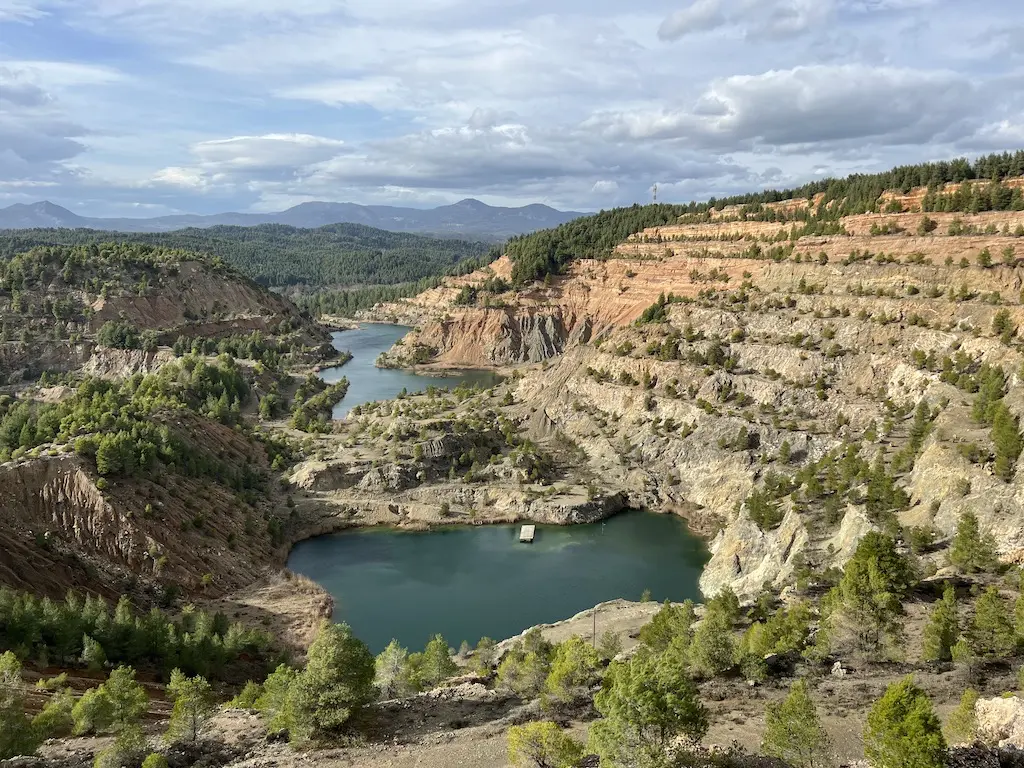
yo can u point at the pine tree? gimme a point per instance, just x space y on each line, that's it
670 621
543 745
866 606
275 702
903 730
337 680
971 550
645 705
991 633
793 731
437 662
391 672
16 734
193 706
483 656
573 670
943 629
713 648
1007 441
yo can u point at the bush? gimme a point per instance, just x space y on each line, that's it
903 730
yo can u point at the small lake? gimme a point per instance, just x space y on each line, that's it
368 383
469 582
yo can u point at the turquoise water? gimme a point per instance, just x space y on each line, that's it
468 582
367 383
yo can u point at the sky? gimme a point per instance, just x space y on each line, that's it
152 107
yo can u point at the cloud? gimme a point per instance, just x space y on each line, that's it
819 105
701 16
243 159
35 135
20 11
232 104
381 92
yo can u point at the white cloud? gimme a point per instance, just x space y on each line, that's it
701 16
380 92
810 105
19 11
214 104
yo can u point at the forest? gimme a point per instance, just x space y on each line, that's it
274 255
547 252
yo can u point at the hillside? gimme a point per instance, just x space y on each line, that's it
130 464
466 219
829 390
337 255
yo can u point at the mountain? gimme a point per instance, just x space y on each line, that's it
468 218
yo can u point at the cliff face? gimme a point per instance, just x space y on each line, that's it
61 528
778 353
594 297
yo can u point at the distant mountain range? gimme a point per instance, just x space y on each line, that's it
468 219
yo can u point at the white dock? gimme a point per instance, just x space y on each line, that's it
527 533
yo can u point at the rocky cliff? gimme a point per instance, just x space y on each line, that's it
770 354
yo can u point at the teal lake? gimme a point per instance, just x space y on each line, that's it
469 582
368 383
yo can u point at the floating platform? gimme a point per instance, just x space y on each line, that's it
527 534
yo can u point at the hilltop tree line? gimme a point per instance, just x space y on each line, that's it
547 252
275 255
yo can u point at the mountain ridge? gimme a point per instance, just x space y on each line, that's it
466 218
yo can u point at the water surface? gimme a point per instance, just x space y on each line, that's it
367 383
468 582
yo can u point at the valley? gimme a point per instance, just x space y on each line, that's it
825 387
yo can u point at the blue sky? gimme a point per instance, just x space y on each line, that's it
147 107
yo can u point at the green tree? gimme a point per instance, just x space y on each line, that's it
991 634
670 621
128 699
972 551
275 702
573 670
391 672
92 713
942 631
793 731
92 654
524 673
645 703
903 730
193 706
543 745
712 650
962 725
865 609
484 655
17 736
116 705
609 645
337 681
1007 441
55 720
438 665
